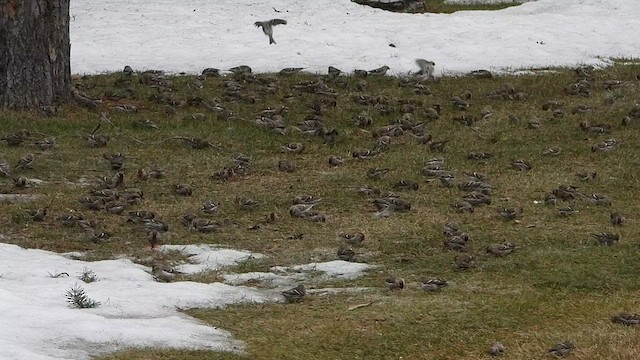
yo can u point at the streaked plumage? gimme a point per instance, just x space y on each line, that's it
379 71
25 162
432 284
625 318
295 295
605 238
394 283
510 213
500 250
562 349
352 238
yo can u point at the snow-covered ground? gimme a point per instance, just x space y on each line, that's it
37 323
190 35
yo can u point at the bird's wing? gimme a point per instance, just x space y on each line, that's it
258 24
278 22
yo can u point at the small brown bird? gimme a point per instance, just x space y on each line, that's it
295 295
605 238
464 261
497 349
20 182
116 161
286 166
183 189
521 165
246 203
431 284
210 207
510 213
38 214
99 140
562 349
346 253
354 239
394 283
335 160
500 250
617 219
406 185
626 319
294 148
377 173
153 237
25 162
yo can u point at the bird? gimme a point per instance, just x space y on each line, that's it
407 185
335 160
431 284
346 253
153 224
497 349
153 237
394 283
290 70
25 162
500 250
562 349
210 207
464 261
363 154
351 238
183 189
116 161
286 166
294 295
246 203
294 148
605 238
333 71
567 211
426 68
520 165
510 213
617 219
625 318
377 173
45 144
379 71
267 27
38 214
5 169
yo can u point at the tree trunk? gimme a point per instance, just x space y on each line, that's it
34 53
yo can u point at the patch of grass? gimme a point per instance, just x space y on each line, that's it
557 285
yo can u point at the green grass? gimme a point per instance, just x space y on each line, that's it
558 285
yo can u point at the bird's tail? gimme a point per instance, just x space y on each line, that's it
271 41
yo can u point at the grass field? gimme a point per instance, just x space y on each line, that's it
559 284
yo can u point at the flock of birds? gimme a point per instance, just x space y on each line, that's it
110 193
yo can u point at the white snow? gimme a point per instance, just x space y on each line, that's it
209 258
190 35
36 322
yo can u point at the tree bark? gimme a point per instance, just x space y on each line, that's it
34 53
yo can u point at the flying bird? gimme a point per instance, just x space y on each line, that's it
267 27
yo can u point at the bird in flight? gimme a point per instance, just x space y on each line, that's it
267 27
